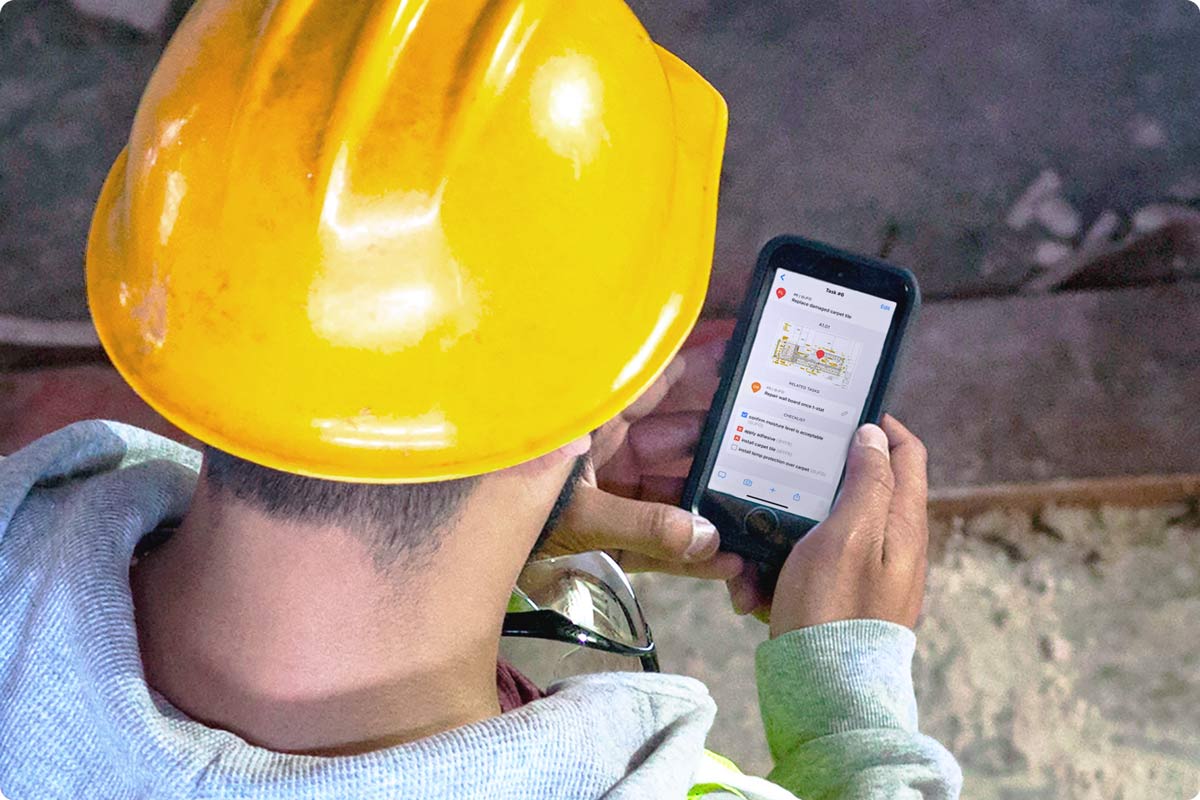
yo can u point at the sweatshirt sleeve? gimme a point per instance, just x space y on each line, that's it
841 718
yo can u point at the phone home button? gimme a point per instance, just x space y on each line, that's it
761 522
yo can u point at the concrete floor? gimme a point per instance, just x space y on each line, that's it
849 120
905 122
68 90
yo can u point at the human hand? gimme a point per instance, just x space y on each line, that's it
646 452
627 504
867 560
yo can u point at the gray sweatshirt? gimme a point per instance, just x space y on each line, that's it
77 719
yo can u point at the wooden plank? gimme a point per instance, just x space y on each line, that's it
1126 491
28 332
1022 391
1079 385
36 402
27 343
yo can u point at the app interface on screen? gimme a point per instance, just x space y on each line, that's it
801 396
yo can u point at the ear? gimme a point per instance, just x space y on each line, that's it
568 452
576 448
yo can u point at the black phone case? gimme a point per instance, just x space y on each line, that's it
894 352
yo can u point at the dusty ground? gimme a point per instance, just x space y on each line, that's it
916 124
1057 658
902 125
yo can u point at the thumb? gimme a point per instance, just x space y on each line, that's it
597 520
866 495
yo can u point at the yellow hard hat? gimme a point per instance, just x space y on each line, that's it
406 240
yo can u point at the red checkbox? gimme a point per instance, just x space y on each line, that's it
737 438
739 428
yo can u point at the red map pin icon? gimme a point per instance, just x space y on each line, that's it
780 292
754 387
820 354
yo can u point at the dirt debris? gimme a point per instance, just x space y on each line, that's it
1057 655
1074 673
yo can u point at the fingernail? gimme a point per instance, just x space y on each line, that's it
704 539
872 436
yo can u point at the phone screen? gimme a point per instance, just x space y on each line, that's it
801 395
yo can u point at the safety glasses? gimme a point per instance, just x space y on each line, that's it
583 599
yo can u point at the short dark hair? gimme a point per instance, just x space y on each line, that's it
394 520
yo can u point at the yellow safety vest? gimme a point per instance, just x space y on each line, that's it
719 774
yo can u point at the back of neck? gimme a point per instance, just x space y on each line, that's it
293 638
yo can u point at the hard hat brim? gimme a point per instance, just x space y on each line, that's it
687 241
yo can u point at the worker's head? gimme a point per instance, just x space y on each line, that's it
398 523
404 242
395 520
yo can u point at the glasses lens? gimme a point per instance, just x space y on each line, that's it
590 590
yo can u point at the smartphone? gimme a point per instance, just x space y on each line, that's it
810 360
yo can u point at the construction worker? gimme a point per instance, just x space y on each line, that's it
411 269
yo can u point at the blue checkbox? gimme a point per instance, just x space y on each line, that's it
743 413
